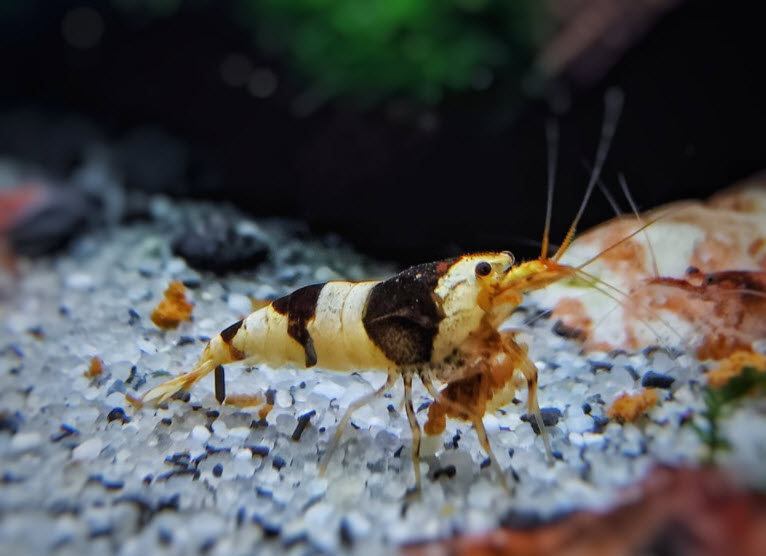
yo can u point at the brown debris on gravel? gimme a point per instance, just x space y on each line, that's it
733 365
174 308
627 408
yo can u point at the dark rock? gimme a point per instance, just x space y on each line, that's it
345 534
566 331
65 431
118 413
259 451
599 423
10 422
653 379
220 248
278 463
270 530
218 470
59 216
164 536
181 459
448 471
550 415
303 422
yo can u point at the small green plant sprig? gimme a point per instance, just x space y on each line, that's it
719 402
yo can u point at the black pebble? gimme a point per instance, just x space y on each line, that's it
181 459
165 537
260 451
220 384
566 331
118 413
654 379
171 503
448 471
586 408
550 415
599 423
270 530
218 470
134 317
303 422
10 423
65 431
271 396
345 534
278 463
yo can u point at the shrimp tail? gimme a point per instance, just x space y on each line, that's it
218 352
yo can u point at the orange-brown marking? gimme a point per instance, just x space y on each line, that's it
484 379
174 308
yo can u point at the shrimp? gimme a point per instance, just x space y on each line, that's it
439 321
432 320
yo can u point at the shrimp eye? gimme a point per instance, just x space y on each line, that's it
483 268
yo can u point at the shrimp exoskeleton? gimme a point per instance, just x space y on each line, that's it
436 320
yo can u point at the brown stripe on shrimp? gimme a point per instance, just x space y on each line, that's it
227 335
403 313
300 307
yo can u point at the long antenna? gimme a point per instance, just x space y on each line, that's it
613 100
634 207
552 142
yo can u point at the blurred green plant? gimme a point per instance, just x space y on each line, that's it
719 402
383 48
376 49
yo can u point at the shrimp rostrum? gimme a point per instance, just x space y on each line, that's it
437 320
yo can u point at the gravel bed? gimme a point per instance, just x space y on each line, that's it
82 471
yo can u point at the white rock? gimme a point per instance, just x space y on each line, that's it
200 433
25 441
88 450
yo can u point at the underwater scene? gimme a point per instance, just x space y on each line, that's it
421 277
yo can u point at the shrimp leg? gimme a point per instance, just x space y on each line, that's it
343 423
415 427
478 424
528 369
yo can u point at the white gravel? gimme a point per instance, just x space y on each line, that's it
196 476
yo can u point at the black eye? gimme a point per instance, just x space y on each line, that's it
483 268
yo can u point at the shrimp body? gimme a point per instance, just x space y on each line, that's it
414 319
436 320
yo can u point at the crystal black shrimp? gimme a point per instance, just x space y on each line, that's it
438 321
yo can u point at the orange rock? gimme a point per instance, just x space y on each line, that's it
174 308
629 407
733 365
95 369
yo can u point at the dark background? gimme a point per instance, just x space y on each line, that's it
419 183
